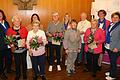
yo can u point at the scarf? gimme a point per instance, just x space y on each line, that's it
104 23
108 32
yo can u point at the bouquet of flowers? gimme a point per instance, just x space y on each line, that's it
35 42
11 41
90 38
58 36
91 43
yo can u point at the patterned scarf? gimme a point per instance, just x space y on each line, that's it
104 23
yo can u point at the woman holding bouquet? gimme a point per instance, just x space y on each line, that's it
20 51
54 41
4 25
36 41
93 38
3 48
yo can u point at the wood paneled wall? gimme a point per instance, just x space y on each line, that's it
45 7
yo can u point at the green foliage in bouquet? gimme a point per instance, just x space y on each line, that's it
10 40
58 36
35 42
90 38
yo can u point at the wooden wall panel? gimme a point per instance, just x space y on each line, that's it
45 7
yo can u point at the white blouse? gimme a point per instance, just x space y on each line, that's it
41 49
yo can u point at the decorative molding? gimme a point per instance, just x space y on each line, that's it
25 4
93 0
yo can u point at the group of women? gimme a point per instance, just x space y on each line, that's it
85 39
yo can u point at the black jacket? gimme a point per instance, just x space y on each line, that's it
3 46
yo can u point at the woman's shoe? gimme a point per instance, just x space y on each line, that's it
43 77
3 76
35 77
17 77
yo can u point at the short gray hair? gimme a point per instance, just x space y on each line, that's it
16 17
55 13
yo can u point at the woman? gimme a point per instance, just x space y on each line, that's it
54 27
113 44
72 44
20 51
4 25
29 27
66 21
37 56
3 48
33 18
93 38
103 24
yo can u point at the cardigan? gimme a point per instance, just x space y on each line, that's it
41 49
52 28
23 35
72 40
23 32
98 36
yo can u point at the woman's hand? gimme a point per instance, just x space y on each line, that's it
79 50
12 48
115 50
49 35
23 43
82 32
30 52
66 51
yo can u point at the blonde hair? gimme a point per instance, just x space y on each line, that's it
55 13
16 17
69 20
36 22
94 20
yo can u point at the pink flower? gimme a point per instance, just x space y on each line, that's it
40 40
31 40
54 35
60 34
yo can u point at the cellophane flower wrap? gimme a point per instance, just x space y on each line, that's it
35 42
10 40
58 36
90 38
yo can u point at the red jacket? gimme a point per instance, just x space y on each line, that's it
99 37
107 24
23 32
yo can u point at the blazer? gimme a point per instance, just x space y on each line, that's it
115 38
3 46
72 40
99 36
6 25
